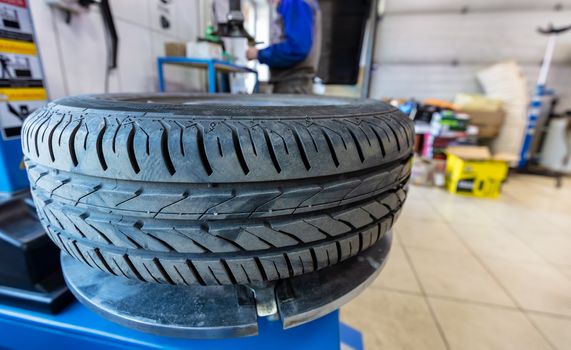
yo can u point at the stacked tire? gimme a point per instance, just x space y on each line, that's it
216 189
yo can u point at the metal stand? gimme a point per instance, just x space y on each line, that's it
223 311
212 66
540 91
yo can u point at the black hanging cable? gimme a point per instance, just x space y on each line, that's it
111 36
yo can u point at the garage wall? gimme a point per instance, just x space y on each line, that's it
73 55
434 48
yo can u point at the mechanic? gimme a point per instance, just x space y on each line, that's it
295 47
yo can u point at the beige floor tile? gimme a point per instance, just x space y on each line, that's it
564 269
416 193
397 273
458 276
545 195
465 213
557 330
392 320
433 235
553 245
419 210
537 287
518 218
469 326
396 233
436 195
496 242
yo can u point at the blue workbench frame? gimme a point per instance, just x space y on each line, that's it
76 327
212 67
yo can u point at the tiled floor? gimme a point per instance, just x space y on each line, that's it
467 273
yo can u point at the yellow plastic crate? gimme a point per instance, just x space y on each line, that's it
479 178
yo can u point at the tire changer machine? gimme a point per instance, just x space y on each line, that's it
38 309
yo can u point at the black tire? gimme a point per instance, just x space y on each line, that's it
216 189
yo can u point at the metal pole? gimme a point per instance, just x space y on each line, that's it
160 75
370 48
536 103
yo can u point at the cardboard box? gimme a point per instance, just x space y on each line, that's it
176 49
204 50
474 171
488 131
485 113
489 123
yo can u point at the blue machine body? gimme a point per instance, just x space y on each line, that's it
13 176
79 328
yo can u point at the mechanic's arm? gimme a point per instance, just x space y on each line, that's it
298 30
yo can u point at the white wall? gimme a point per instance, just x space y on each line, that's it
73 55
434 48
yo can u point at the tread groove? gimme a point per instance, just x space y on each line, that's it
261 268
301 148
245 273
357 145
131 150
195 273
162 271
114 142
313 259
103 261
202 152
238 150
133 268
331 148
80 253
85 137
181 139
37 134
294 237
395 135
71 144
214 275
99 145
288 264
165 150
119 267
379 140
150 273
62 131
229 271
180 275
251 141
271 150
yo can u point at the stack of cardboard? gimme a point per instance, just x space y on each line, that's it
506 82
485 113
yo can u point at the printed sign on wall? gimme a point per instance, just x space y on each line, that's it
21 79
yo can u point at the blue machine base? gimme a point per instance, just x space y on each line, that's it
79 328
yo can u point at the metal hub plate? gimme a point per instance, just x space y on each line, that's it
223 311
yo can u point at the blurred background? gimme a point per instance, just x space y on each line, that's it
482 254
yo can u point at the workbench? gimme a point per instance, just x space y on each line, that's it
212 66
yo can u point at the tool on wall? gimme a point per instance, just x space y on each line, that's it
234 26
71 7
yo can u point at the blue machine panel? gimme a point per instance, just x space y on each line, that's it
12 173
21 89
79 328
